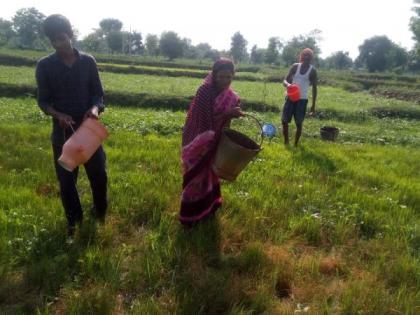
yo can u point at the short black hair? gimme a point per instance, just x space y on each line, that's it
57 24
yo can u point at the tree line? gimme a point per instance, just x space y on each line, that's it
378 53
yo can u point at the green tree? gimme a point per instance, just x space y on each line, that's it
339 60
257 55
6 31
137 46
379 53
415 26
398 57
94 42
133 43
214 54
170 45
110 25
114 39
152 45
188 49
204 51
111 29
272 53
27 23
293 47
238 47
413 61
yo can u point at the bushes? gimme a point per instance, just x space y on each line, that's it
160 68
133 61
12 90
400 93
151 71
141 100
386 112
16 60
126 60
9 60
388 85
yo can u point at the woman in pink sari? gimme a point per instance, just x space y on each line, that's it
214 105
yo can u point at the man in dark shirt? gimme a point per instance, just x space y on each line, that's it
69 90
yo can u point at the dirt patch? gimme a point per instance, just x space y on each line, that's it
283 289
330 266
47 190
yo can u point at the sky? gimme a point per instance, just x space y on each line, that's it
344 24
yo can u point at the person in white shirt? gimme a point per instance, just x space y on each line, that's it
303 74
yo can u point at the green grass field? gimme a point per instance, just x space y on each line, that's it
328 227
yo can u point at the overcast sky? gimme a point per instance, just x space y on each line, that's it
344 24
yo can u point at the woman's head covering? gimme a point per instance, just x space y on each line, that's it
219 64
306 52
219 103
223 64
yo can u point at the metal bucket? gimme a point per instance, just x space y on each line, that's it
234 152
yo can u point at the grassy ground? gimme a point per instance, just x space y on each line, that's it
327 228
360 128
332 227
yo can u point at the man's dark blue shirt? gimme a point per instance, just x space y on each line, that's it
71 90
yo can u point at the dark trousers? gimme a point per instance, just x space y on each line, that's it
96 172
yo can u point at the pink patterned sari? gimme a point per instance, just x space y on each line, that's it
201 195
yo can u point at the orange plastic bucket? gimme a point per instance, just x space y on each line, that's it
80 147
293 92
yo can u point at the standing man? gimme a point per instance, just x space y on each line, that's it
303 74
69 90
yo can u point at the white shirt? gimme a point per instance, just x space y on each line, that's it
303 81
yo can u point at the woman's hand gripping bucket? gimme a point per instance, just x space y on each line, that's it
234 152
84 142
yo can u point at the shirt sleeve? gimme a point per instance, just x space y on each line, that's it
97 92
44 92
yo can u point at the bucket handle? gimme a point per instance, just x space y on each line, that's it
72 129
259 124
64 132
